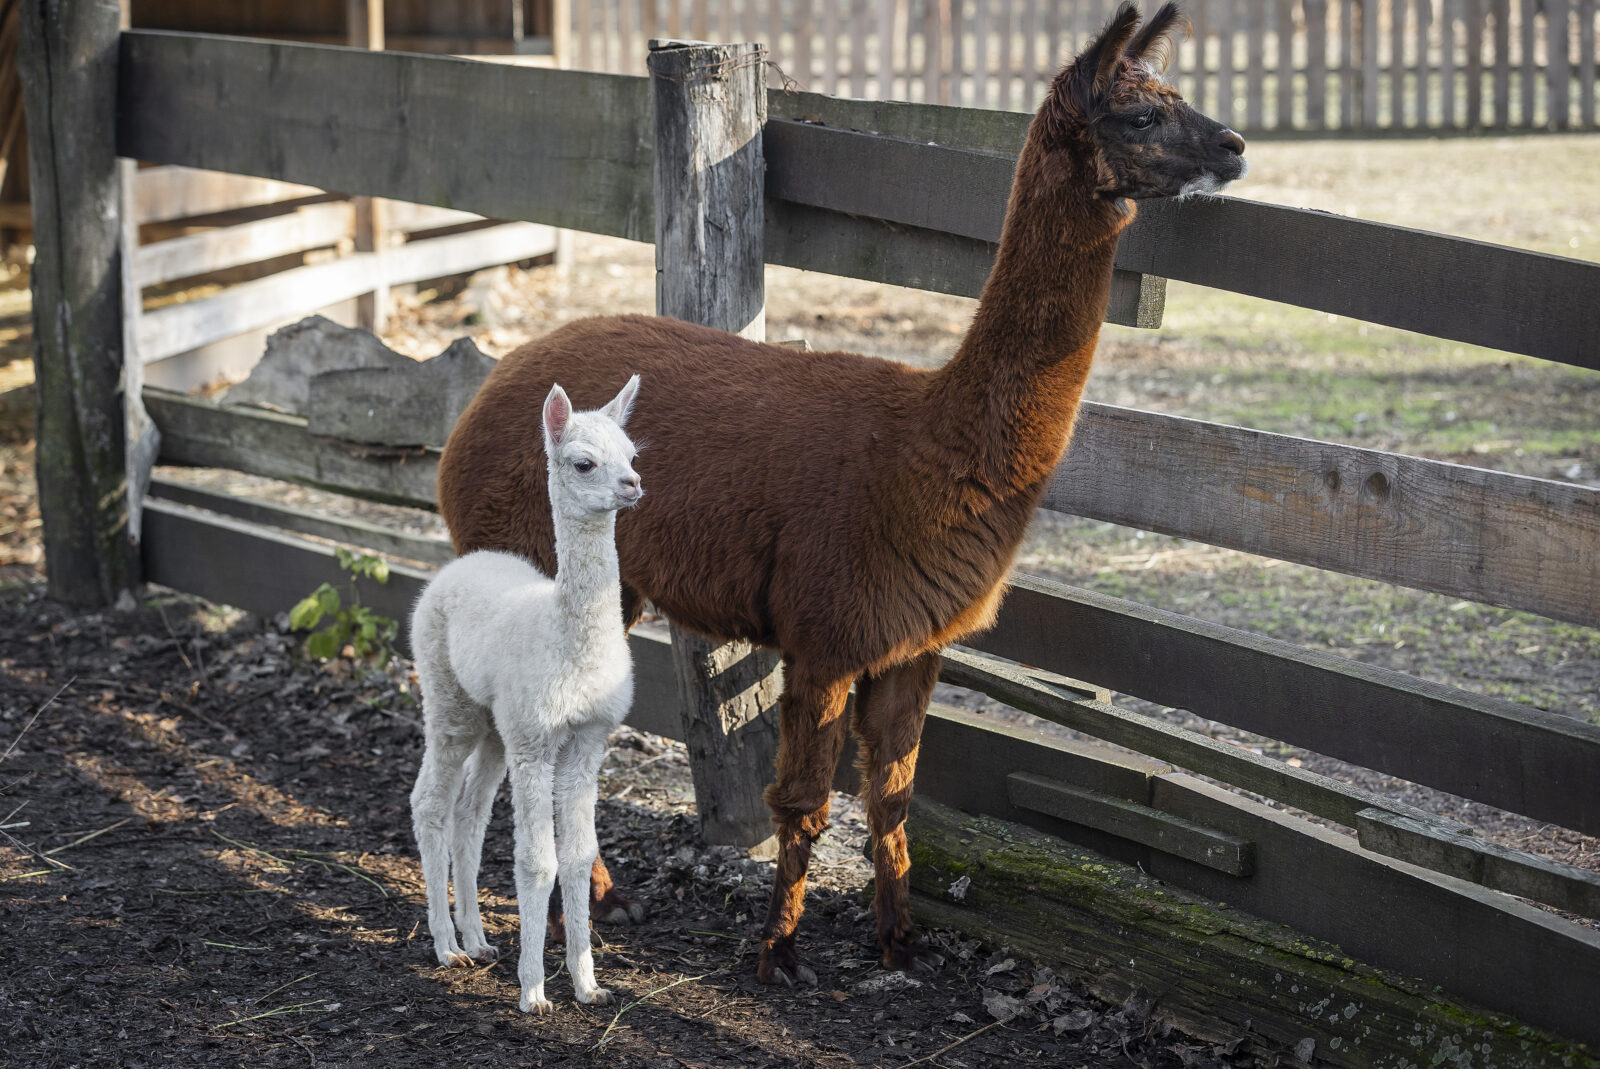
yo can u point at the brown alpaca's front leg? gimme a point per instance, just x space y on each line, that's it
811 730
890 708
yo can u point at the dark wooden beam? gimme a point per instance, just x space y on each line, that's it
68 63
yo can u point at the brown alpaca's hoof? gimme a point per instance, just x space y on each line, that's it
781 965
912 956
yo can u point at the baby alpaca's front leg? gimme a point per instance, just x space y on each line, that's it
532 801
577 783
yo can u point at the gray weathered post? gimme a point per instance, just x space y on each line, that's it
68 63
710 106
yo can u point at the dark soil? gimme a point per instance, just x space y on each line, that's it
207 860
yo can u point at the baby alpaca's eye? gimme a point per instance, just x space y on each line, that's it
584 466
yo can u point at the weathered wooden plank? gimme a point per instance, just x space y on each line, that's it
162 194
1447 63
1469 858
202 434
1474 16
1397 70
1223 16
350 532
67 63
1450 287
1316 64
1502 62
1132 821
1505 539
1586 62
1528 83
1349 42
1527 760
1558 63
1221 974
1283 73
261 302
1369 62
411 404
1052 698
424 129
311 227
1255 82
1476 944
710 109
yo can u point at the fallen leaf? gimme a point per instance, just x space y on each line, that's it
1076 1021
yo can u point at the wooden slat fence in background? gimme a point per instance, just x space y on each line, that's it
1260 65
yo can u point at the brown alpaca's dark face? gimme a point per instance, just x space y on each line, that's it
1145 139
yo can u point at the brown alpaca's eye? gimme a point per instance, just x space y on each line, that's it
1143 120
584 466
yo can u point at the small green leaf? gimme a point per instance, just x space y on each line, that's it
379 569
322 645
345 557
327 597
306 614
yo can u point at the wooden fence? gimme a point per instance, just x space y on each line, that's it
913 195
1259 65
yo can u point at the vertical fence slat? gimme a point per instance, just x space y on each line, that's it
1200 17
1369 61
1473 15
1030 66
982 11
1586 61
830 47
1558 68
1316 64
1447 63
726 31
1285 71
1008 59
1255 62
886 13
1423 107
1347 64
803 27
1502 62
1054 56
1397 62
1527 86
858 48
1222 17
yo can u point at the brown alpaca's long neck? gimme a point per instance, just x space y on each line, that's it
1009 395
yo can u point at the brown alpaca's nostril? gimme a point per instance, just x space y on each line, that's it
1232 142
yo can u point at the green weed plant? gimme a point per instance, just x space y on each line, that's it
335 623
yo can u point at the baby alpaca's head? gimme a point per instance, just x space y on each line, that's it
590 458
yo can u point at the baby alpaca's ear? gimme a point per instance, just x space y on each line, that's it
557 411
621 406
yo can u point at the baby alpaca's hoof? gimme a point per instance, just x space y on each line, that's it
453 958
600 996
485 954
536 1004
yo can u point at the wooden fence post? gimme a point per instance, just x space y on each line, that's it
364 26
68 63
710 107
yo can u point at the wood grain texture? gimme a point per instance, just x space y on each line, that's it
1508 540
710 107
162 194
311 227
1541 764
201 434
429 130
1449 287
67 61
1132 821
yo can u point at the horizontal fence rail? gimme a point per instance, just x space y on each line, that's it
1496 950
1282 66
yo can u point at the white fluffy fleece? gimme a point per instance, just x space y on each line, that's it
529 673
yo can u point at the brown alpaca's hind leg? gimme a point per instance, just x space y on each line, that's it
811 730
890 708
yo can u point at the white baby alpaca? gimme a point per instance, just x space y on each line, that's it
520 669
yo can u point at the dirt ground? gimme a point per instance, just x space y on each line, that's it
207 857
208 860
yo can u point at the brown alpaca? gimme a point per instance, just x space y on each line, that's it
855 513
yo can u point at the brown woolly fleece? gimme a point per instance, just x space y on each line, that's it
855 513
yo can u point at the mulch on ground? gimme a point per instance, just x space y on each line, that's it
207 859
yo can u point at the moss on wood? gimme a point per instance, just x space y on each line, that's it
1213 971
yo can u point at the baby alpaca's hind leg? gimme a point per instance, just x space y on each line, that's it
577 781
432 799
532 786
484 771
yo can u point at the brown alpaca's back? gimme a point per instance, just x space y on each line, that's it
797 500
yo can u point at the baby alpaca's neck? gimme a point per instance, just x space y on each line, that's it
588 583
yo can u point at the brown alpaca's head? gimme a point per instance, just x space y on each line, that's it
1111 108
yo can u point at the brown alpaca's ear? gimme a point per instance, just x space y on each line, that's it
557 412
1156 43
1096 66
